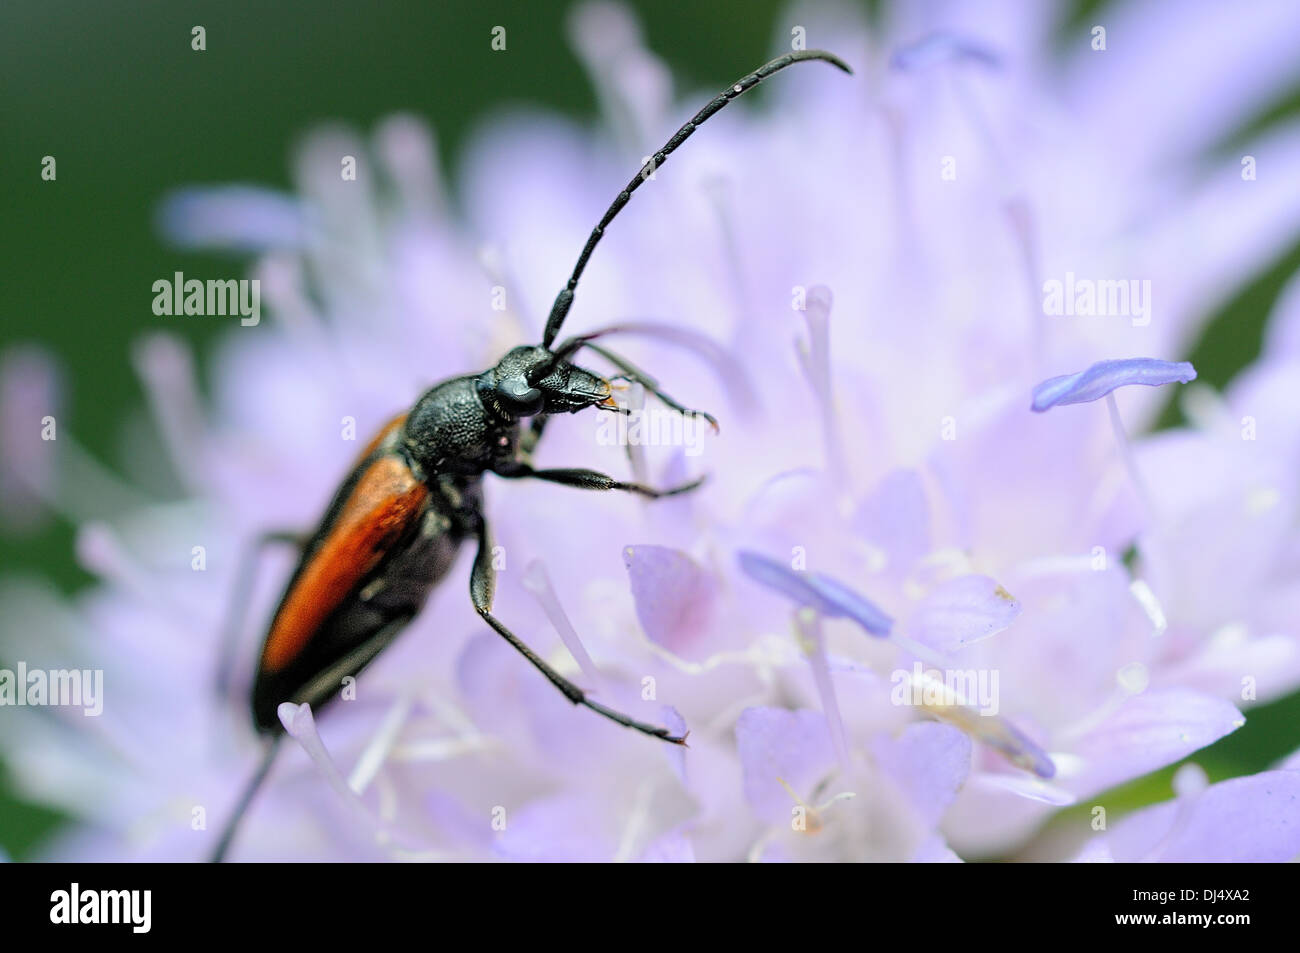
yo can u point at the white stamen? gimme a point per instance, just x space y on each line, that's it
386 794
434 750
917 649
815 358
1127 456
166 369
1189 782
945 703
283 292
808 626
407 149
1017 208
718 188
970 105
538 582
1205 409
637 820
100 551
301 726
636 454
1150 605
1020 215
1261 499
381 745
1026 786
1133 678
505 334
632 86
1053 566
80 489
1230 635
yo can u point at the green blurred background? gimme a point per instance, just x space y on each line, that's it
115 93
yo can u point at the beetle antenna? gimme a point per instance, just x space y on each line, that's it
245 799
564 299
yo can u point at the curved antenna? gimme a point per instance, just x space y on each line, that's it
565 298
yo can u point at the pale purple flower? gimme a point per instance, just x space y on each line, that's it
890 497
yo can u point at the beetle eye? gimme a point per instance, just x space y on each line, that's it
521 398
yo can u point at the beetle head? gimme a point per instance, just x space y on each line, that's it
532 380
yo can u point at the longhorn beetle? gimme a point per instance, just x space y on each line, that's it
415 495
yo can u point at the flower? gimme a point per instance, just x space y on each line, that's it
883 511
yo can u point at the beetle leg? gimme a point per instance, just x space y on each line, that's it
592 480
482 588
271 746
245 577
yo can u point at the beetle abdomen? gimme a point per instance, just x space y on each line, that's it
385 541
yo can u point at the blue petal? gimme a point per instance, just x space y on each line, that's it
828 596
942 46
240 218
1104 376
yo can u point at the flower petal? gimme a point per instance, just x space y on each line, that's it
896 517
235 217
1242 819
961 611
674 596
828 596
777 745
673 848
560 828
1104 376
1148 732
929 762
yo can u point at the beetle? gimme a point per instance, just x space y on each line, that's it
415 496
